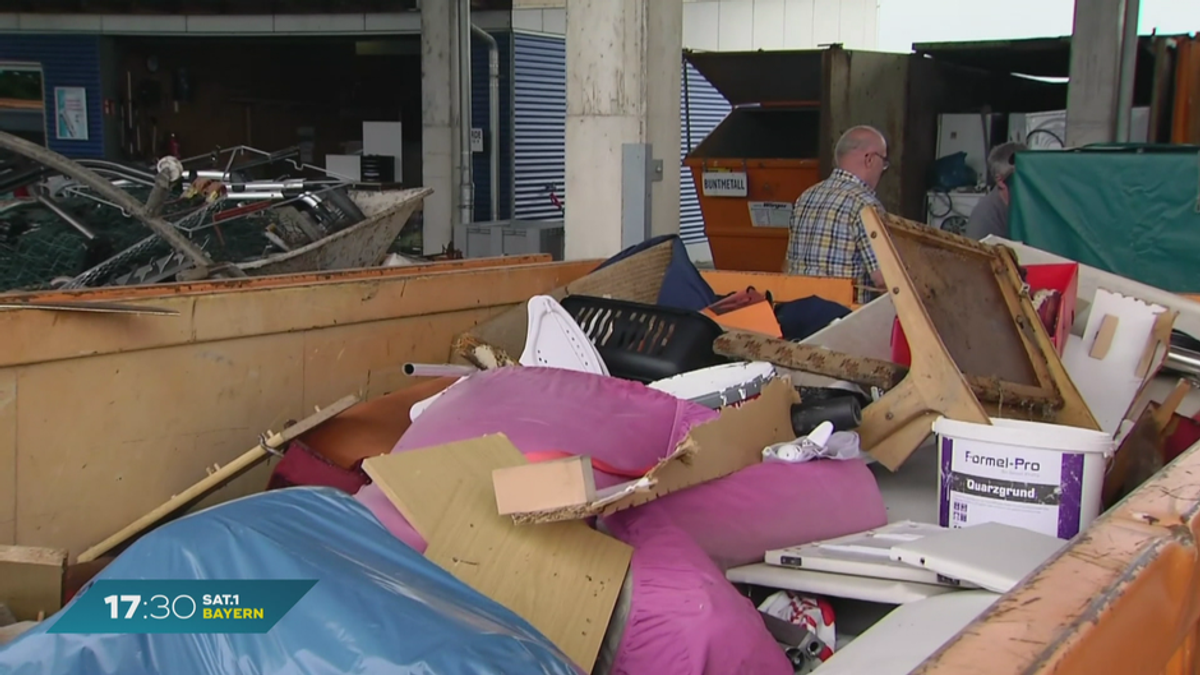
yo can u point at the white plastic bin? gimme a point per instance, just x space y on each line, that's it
1043 477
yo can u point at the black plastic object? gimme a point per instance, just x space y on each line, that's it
645 342
843 412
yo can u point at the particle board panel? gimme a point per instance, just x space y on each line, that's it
120 412
563 578
32 337
8 457
31 580
117 435
371 359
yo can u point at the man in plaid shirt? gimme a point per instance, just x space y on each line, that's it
827 238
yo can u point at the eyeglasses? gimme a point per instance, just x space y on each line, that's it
883 158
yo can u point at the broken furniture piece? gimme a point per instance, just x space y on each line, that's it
270 444
31 581
978 347
563 578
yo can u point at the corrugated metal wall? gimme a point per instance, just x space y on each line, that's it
480 103
539 64
701 109
539 124
67 61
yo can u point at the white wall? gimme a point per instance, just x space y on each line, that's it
738 25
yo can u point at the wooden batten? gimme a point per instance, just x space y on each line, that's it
106 416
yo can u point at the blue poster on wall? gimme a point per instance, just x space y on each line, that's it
70 113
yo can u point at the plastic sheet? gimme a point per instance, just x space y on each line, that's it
1133 211
378 606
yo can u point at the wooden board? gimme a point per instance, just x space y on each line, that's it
563 578
120 413
31 580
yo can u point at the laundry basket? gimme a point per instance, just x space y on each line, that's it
645 342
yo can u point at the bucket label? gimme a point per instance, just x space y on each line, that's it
1036 489
724 184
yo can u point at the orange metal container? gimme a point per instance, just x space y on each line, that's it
768 146
736 240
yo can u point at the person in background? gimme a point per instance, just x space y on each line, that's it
827 238
990 215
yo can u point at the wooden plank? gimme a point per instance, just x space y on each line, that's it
33 337
563 578
216 479
31 580
274 281
92 307
8 457
119 433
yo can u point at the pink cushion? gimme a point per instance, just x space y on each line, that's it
738 518
684 617
621 423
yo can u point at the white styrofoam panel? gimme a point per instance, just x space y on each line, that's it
554 21
798 24
769 24
320 23
850 23
702 25
256 23
827 21
143 23
527 19
59 22
400 22
736 31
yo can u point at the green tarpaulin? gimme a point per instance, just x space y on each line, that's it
1129 210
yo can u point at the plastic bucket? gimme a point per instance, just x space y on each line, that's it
1043 477
729 384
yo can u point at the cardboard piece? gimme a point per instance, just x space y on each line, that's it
745 310
733 441
563 578
1109 365
31 580
542 486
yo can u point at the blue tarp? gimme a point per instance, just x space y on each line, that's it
378 606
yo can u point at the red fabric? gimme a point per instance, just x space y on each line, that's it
598 465
301 466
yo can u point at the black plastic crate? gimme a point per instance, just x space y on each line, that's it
645 342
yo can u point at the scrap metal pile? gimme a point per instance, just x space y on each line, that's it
87 223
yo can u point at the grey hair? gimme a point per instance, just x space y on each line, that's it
854 139
1002 160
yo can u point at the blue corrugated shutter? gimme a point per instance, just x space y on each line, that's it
67 61
539 124
481 165
701 109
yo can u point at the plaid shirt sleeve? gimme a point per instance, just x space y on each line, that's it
863 250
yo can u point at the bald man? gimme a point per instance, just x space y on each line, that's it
827 238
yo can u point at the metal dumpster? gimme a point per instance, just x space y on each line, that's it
752 167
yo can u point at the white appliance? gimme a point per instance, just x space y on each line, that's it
966 133
950 211
1048 130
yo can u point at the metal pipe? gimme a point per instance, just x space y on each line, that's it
1183 361
493 116
66 217
1128 72
438 370
466 188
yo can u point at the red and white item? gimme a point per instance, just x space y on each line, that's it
810 613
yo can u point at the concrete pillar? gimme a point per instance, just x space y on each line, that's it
1095 87
438 113
623 70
